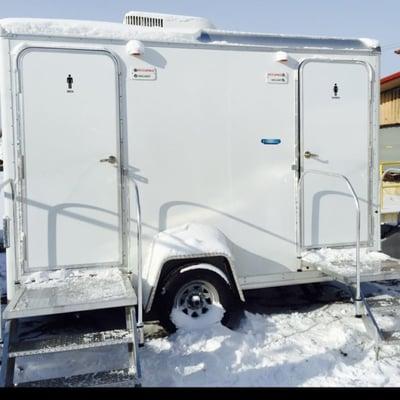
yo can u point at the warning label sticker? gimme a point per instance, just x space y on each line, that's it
276 77
144 74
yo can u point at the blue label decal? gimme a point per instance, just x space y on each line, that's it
270 141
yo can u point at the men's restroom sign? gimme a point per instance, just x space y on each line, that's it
335 90
70 82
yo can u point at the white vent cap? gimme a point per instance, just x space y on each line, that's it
176 23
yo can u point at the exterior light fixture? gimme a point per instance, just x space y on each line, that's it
135 48
281 56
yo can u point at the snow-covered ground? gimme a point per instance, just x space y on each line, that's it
293 336
299 342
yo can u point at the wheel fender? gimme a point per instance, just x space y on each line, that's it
186 243
207 267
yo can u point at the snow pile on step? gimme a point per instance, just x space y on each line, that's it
86 284
184 322
343 261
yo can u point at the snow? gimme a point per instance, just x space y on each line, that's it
68 277
186 323
73 286
371 43
315 345
296 336
184 241
187 240
319 345
288 338
343 261
87 29
181 30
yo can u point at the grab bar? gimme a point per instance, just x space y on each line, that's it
300 230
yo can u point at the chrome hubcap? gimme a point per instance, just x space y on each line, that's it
196 298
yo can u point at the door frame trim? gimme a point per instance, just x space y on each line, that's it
21 223
299 148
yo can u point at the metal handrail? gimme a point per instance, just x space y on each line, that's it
2 186
300 233
139 263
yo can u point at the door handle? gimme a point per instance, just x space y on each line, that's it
307 154
110 159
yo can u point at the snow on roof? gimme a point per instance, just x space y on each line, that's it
85 29
124 32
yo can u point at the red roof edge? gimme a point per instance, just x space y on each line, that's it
389 78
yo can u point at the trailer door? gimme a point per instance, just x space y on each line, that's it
70 158
334 137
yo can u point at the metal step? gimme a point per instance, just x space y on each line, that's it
376 308
86 289
392 303
392 337
345 270
116 378
70 343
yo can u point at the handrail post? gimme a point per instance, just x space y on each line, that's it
300 242
2 186
140 325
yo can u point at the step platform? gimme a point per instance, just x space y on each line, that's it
70 342
72 290
380 314
340 264
385 311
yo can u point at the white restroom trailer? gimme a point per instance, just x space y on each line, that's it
166 143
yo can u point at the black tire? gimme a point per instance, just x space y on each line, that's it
174 283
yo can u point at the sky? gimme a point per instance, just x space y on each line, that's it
343 18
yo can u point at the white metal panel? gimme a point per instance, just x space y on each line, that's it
72 212
178 144
198 155
335 128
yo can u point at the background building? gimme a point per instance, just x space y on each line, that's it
390 118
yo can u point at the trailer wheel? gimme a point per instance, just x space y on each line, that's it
197 299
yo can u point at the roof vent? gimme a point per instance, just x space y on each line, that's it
166 21
139 20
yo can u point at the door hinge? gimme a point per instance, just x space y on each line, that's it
21 167
6 232
23 247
